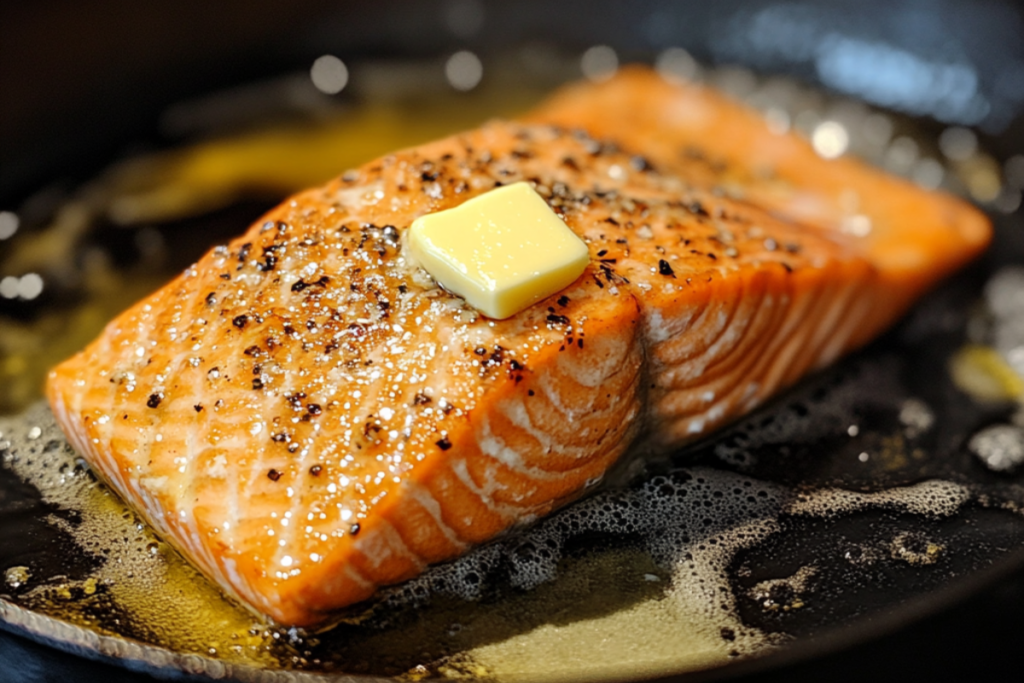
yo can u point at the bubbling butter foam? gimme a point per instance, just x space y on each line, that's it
629 582
158 597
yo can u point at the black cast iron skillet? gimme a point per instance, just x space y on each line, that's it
82 82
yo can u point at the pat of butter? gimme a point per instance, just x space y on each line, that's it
501 251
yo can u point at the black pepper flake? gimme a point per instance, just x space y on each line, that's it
444 444
198 407
257 384
563 301
154 400
421 399
531 392
558 319
243 253
314 409
225 276
273 475
640 163
697 208
280 437
211 298
664 268
253 350
240 321
480 351
354 529
712 256
602 253
789 268
315 470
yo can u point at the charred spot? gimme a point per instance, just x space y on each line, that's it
570 163
154 400
563 301
225 276
402 289
198 407
257 384
254 351
315 470
421 399
665 268
280 437
211 298
601 253
314 408
295 400
240 321
480 351
444 443
273 475
288 329
429 176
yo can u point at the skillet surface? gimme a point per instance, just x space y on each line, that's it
984 542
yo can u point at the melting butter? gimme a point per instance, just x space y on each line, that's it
502 251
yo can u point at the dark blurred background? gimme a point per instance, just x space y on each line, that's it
83 82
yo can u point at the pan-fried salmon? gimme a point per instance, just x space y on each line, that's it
307 416
912 236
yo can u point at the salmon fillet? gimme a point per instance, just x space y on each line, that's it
307 416
914 237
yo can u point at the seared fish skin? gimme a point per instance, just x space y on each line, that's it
306 416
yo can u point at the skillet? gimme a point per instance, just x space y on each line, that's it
85 118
